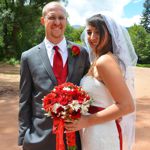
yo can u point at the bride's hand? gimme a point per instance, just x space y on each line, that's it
76 125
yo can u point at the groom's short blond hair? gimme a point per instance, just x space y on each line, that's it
48 6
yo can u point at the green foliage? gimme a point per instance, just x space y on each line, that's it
73 34
11 61
144 65
141 42
20 27
145 21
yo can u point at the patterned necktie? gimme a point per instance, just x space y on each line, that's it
57 63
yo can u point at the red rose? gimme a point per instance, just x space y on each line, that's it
75 50
75 115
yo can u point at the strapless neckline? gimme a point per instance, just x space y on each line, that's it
97 91
91 77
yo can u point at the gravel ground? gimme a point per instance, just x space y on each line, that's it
9 82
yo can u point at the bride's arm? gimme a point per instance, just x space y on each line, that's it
109 72
112 77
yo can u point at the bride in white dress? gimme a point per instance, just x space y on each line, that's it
109 82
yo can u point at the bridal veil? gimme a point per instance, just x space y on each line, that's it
127 58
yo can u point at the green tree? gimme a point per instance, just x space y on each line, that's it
73 34
20 26
145 21
141 42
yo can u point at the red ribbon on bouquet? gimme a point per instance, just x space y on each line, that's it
58 129
70 138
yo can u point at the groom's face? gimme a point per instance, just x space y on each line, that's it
55 23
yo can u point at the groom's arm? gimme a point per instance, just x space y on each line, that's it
87 61
25 100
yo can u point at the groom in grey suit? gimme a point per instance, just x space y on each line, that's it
38 79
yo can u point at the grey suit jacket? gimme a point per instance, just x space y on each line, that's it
37 79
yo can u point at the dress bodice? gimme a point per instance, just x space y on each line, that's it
97 91
101 136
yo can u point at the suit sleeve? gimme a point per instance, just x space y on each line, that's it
87 62
25 100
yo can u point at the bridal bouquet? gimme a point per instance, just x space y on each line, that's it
65 101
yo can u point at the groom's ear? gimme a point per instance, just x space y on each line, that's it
42 20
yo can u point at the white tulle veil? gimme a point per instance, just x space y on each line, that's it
127 58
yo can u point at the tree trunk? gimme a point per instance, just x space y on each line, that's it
5 32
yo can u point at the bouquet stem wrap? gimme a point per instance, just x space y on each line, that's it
71 142
58 129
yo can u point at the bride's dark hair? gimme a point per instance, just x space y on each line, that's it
103 46
98 22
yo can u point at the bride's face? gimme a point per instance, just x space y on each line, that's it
97 41
92 36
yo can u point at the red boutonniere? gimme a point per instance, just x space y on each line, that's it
75 50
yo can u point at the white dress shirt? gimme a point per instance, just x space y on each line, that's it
62 49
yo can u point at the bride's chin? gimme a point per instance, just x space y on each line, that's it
93 47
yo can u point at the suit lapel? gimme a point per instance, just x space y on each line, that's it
71 60
46 62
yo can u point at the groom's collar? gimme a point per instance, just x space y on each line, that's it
62 45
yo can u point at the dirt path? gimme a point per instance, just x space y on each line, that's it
142 82
9 82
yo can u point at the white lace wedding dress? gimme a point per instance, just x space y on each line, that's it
103 136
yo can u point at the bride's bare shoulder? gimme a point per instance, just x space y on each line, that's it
107 60
108 67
